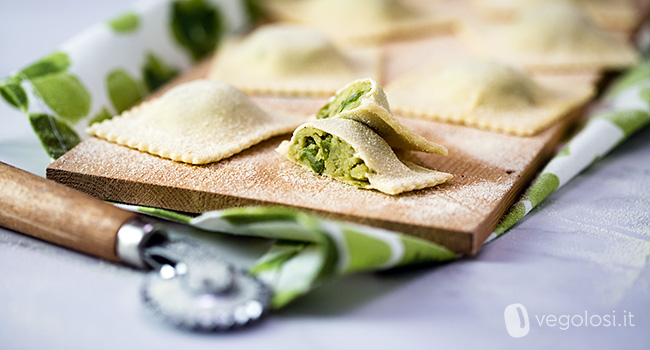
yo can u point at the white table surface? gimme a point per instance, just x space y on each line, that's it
585 249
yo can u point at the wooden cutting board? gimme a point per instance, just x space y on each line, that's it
490 170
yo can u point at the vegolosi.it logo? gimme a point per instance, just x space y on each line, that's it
518 322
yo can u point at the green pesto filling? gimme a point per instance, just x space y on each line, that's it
326 154
347 99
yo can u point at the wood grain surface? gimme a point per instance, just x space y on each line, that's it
58 214
490 170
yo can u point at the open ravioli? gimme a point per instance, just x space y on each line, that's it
351 152
197 122
553 36
363 20
365 101
489 95
291 59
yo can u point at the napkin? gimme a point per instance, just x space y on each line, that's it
113 65
309 251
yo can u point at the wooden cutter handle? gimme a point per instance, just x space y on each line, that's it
58 214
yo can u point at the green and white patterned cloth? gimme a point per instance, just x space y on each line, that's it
308 251
114 65
624 110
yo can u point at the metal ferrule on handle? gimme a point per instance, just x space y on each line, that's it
134 237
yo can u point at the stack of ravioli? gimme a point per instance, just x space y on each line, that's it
507 66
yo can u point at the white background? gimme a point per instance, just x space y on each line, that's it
584 249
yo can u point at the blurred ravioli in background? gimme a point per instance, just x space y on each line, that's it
365 21
554 36
286 59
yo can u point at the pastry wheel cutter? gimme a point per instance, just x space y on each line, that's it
190 286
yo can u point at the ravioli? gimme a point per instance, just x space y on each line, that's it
365 101
349 151
613 14
553 36
364 20
197 122
610 14
291 60
489 95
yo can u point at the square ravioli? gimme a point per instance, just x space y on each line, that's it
553 36
197 122
489 95
619 15
283 59
364 21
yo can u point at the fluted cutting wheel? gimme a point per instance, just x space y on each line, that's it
210 296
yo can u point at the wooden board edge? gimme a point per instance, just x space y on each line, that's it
486 228
198 201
